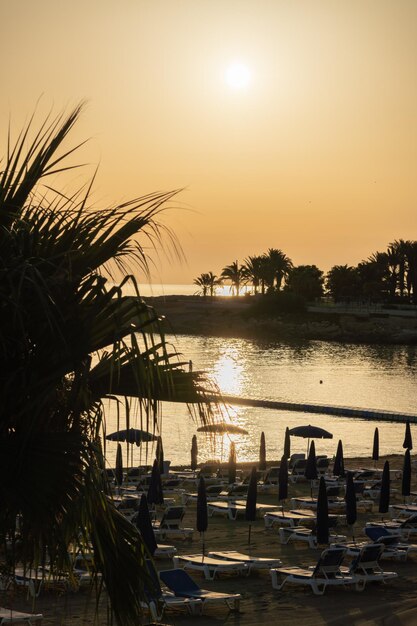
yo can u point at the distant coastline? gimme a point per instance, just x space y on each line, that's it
232 317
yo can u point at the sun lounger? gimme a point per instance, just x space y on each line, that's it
288 518
10 616
234 508
181 583
300 533
309 502
169 525
366 568
403 509
405 527
253 562
327 572
210 566
157 601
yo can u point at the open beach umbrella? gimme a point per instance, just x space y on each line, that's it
250 512
262 453
232 464
406 478
339 463
350 499
375 447
287 443
144 525
159 454
221 428
283 481
384 496
118 472
194 453
322 514
202 516
408 441
132 435
310 432
310 471
155 493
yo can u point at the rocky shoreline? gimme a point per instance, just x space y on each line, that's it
221 317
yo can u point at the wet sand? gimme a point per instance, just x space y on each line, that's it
393 604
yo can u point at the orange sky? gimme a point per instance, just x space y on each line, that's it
316 156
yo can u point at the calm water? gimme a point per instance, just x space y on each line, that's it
358 376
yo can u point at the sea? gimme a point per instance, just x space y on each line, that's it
315 372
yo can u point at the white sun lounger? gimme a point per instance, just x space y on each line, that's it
288 518
10 616
210 566
253 562
327 572
300 533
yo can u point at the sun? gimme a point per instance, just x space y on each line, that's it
238 75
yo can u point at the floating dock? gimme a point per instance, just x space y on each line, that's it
341 411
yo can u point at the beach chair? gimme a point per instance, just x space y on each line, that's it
288 518
405 527
366 568
297 470
327 572
157 601
182 585
253 562
210 566
169 525
10 616
395 546
403 509
212 492
301 533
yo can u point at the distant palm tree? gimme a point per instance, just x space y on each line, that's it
253 270
235 274
306 281
279 265
208 283
342 282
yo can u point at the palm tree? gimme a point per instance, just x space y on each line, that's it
306 281
57 311
342 282
208 283
202 281
279 265
235 274
252 268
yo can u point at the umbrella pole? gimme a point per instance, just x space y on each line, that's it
250 526
202 535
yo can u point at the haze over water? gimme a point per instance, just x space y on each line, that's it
353 375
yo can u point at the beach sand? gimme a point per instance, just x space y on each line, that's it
393 604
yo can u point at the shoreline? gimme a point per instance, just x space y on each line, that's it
232 317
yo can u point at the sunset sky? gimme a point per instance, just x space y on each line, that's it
289 123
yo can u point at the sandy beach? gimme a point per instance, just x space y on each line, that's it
393 604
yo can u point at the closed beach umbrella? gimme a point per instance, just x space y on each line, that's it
118 472
375 448
408 442
310 471
232 464
385 490
250 512
322 515
283 481
202 517
339 463
155 493
287 443
350 499
194 453
262 453
159 454
406 479
144 525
